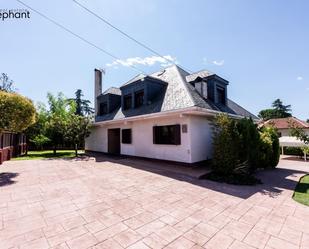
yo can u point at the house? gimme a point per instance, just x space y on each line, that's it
284 125
166 115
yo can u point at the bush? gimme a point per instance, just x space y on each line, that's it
239 149
17 112
39 141
269 148
295 151
236 147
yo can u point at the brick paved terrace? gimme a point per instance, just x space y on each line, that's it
128 203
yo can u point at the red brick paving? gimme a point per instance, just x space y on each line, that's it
87 204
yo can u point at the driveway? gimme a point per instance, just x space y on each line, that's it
122 203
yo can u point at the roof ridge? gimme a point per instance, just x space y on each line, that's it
184 82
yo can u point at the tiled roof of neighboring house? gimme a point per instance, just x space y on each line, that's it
113 90
179 94
286 123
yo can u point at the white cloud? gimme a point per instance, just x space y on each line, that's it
299 78
218 63
164 61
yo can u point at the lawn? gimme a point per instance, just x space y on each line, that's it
46 154
301 193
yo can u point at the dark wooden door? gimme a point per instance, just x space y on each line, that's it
114 141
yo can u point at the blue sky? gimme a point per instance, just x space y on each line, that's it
260 47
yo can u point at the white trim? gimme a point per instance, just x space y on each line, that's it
185 111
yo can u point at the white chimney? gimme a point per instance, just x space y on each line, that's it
98 76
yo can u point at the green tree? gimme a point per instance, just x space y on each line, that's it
83 107
59 114
17 112
40 140
77 130
6 84
282 110
279 110
299 133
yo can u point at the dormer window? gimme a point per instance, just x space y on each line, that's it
103 108
139 98
221 95
127 102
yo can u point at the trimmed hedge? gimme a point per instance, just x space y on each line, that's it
240 148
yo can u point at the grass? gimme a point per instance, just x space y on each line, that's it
47 154
301 193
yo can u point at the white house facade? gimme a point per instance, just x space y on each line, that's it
166 115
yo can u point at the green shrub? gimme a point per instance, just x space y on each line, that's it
225 145
239 149
269 148
39 141
249 143
295 151
236 146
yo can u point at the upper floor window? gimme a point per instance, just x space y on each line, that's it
221 95
127 102
168 134
103 108
139 98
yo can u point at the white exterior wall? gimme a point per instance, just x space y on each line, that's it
142 139
200 138
286 132
97 140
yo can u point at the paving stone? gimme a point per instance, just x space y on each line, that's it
57 203
181 243
85 241
168 233
127 237
257 238
277 243
219 241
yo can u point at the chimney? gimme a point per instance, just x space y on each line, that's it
98 73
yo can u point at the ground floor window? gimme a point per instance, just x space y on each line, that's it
126 136
168 134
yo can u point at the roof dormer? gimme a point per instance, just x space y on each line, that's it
139 91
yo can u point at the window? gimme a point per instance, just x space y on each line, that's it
103 108
139 98
221 95
127 102
126 136
169 134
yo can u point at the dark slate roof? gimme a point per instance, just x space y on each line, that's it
112 90
201 74
136 78
178 94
